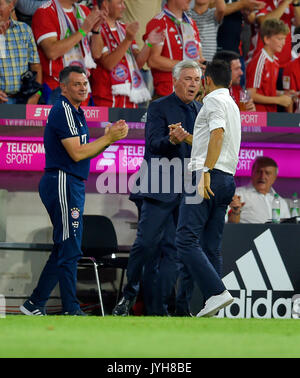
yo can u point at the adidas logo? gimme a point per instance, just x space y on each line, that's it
144 118
263 271
108 159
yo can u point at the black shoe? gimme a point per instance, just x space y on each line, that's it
123 307
30 308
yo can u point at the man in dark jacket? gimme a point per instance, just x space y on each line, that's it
161 177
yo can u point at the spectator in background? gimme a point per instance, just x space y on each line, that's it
143 11
281 10
291 83
262 71
233 59
61 29
18 52
25 9
253 203
117 81
208 21
229 32
181 42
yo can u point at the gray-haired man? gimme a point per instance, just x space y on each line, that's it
159 211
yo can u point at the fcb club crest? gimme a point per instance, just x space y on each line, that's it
191 50
136 79
75 213
120 73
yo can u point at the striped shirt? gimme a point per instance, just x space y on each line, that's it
208 28
261 74
20 50
65 121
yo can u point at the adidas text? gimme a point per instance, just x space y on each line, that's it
253 304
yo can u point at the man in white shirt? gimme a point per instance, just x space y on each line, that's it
215 148
253 203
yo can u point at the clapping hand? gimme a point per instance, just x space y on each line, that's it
117 131
156 36
131 30
93 19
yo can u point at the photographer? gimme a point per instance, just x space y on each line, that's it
18 53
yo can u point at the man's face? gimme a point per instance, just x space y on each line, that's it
116 9
76 89
184 5
263 178
188 84
5 10
276 42
236 71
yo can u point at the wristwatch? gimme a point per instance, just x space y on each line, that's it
206 169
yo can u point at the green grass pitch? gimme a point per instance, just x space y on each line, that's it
155 337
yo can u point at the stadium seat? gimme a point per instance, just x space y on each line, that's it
99 247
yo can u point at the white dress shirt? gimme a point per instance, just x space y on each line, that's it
218 111
258 206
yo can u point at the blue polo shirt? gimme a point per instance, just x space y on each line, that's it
65 121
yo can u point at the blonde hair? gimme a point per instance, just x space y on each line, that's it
273 27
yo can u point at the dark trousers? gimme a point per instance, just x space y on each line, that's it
159 278
154 219
63 196
199 234
184 292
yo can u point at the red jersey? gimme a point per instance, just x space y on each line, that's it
45 24
102 79
234 91
256 42
172 49
261 74
291 75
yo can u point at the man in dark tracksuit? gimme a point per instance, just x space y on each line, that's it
62 189
160 207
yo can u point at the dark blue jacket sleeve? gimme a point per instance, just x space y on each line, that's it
157 130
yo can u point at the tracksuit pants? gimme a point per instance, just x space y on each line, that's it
63 195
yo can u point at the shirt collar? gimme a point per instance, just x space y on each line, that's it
183 104
216 92
80 111
268 56
13 23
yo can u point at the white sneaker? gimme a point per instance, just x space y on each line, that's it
215 303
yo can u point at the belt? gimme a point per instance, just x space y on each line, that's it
219 171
